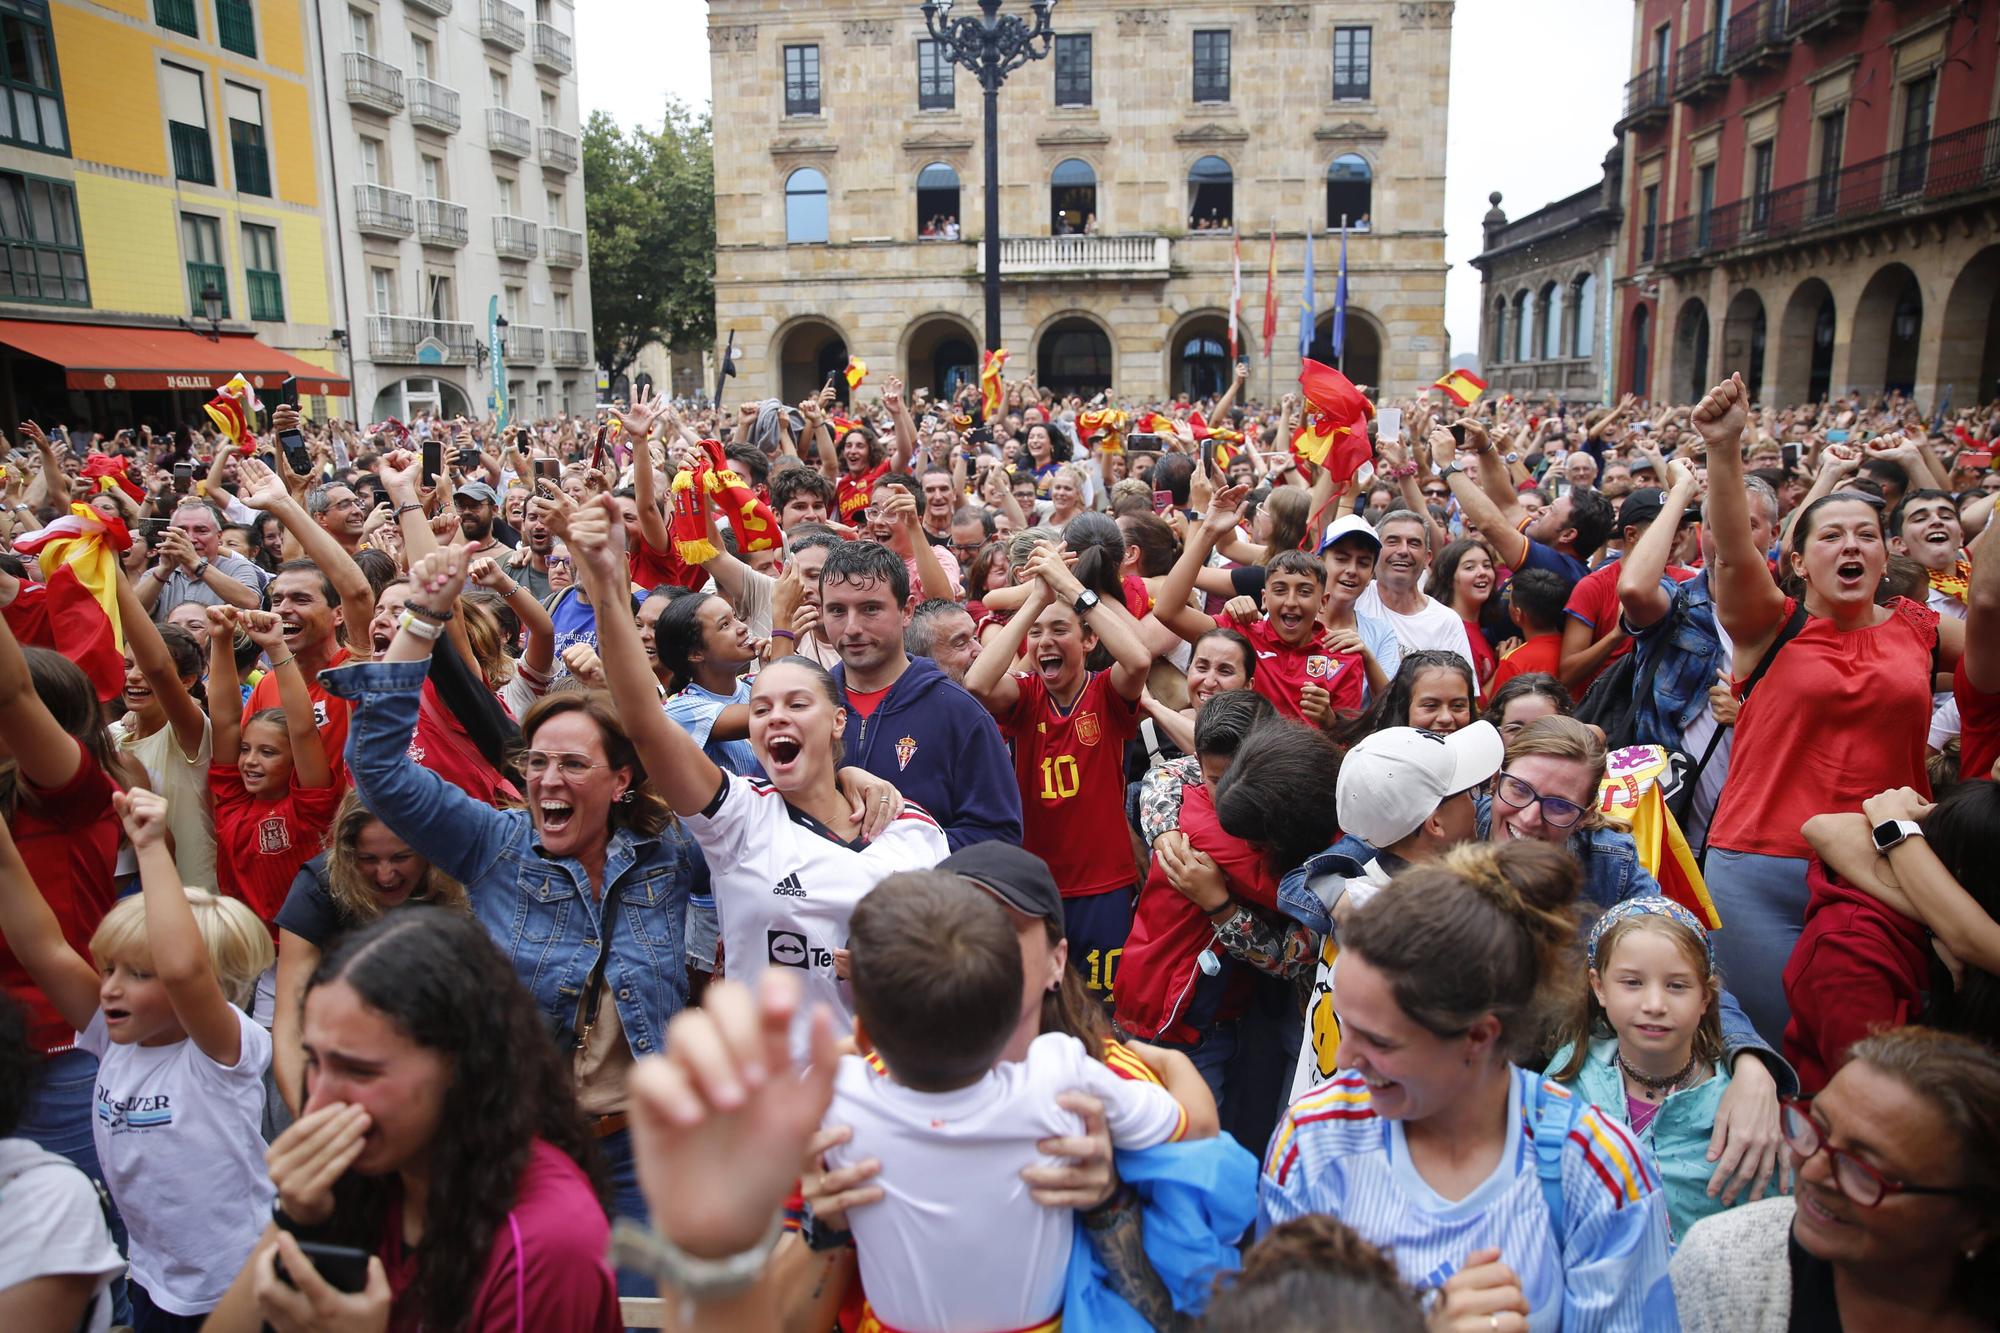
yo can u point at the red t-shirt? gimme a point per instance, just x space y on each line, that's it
260 844
68 838
1838 718
864 703
1071 767
1594 601
851 492
1979 725
651 569
1483 660
1540 653
329 715
1283 669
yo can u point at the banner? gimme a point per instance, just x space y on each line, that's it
496 397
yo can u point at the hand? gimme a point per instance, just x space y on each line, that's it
1345 641
435 581
892 394
1476 438
647 408
1048 564
177 549
1242 610
1723 705
721 1121
265 630
1242 371
581 661
596 540
1509 644
1315 704
258 486
1896 803
309 1303
487 573
1484 1295
144 814
1089 1178
1720 417
1680 477
399 471
313 1153
874 802
1224 511
830 1194
1748 1143
899 511
1194 875
552 508
36 436
1289 404
810 409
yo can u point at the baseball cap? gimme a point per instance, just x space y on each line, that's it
480 491
1641 506
1349 525
1391 782
1014 875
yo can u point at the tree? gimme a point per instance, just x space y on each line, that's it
649 205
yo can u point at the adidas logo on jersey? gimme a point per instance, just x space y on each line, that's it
789 887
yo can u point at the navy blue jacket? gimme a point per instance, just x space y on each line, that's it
943 750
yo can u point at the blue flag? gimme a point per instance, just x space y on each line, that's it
1340 298
1306 312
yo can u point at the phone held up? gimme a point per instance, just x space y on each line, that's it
293 441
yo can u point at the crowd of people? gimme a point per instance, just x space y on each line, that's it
956 867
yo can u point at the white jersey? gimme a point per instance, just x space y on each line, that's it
785 886
952 1187
1435 626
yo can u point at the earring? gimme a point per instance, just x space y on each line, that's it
626 798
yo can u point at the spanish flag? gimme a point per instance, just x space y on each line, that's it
1630 797
857 371
75 608
234 409
1461 386
1335 433
1103 425
992 390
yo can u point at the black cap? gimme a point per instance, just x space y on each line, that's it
1641 506
1014 875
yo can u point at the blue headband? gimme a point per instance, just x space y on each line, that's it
1651 905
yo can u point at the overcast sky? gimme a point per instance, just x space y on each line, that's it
1535 88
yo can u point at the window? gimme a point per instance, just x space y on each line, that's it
1211 195
1914 155
509 191
496 86
41 247
510 305
260 273
382 291
249 161
177 15
1072 197
1350 185
1761 156
805 205
1073 70
1211 66
236 27
802 80
548 108
1548 313
1662 48
1704 203
1499 352
1350 63
557 209
201 240
371 161
541 399
562 309
935 88
1649 230
433 177
361 31
31 109
1832 143
423 58
1583 332
443 304
1522 327
187 125
937 203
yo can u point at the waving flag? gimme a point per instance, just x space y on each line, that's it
1461 386
992 391
112 472
755 526
1307 303
1235 288
1106 425
75 608
1630 796
1335 433
234 409
857 371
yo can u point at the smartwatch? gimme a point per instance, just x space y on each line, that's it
1086 602
1891 832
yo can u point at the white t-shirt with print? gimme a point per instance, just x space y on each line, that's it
179 1138
52 1225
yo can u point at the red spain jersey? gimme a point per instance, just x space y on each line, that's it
651 569
1282 669
1071 767
851 492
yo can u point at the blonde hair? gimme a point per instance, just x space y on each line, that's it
351 893
1561 737
1587 1018
482 632
239 945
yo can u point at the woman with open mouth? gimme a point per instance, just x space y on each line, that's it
1841 711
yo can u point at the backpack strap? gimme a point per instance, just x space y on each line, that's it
1554 1115
1785 636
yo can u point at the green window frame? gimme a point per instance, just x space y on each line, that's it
248 155
236 27
41 243
201 239
193 159
178 15
31 105
260 273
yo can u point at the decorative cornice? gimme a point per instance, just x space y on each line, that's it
1073 137
937 142
1211 133
1350 131
804 148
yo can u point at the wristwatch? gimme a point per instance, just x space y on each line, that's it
1891 832
200 568
1086 602
1449 470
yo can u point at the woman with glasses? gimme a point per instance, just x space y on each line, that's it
1896 1210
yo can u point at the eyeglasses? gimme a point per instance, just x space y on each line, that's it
574 767
1857 1181
1557 811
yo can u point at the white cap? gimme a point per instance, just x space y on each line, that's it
1392 781
1349 525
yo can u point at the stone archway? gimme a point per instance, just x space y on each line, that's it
1888 326
806 351
1969 358
1691 376
1361 358
1198 353
1074 354
1804 360
1743 341
940 352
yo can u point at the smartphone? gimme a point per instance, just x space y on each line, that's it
549 469
1980 458
1142 440
468 459
433 459
183 478
1836 437
1457 429
344 1267
1162 501
1388 423
1789 455
1562 489
597 449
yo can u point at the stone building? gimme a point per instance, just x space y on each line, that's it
1813 198
848 179
1545 290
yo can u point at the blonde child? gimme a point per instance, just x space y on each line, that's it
1644 1042
180 1082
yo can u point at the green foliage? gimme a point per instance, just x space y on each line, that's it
649 204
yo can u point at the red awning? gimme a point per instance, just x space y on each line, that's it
114 356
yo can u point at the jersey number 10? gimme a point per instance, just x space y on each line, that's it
1061 778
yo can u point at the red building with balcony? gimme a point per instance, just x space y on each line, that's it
1812 198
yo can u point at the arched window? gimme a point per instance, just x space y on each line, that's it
1211 195
1642 349
1523 328
805 207
1072 198
937 202
1350 186
1499 352
1583 333
1548 316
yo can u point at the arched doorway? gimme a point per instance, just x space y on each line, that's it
1805 345
808 352
1888 320
1361 358
943 353
1691 351
1743 340
1073 355
1642 351
420 395
1198 362
1969 363
1072 197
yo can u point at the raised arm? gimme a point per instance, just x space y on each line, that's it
647 407
1230 394
310 767
988 678
1170 605
1982 616
225 695
1747 601
906 429
1643 600
46 755
539 653
180 957
31 930
263 490
1108 620
54 480
931 577
1475 500
149 653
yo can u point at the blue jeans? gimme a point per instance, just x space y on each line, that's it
58 1121
1212 1056
626 1201
1762 901
150 1318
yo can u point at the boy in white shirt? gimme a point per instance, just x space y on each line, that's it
956 1243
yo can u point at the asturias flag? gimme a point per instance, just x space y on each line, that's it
1461 386
992 390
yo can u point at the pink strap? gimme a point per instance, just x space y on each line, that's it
520 1277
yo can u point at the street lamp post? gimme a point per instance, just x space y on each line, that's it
992 47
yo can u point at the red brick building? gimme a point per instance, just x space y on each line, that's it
1812 198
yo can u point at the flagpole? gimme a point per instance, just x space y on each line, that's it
1340 303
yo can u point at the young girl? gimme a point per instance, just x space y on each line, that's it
1463 578
1432 691
165 731
180 1084
1645 1042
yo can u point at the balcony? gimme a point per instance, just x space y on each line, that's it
1914 180
571 347
1756 35
1698 68
502 24
560 152
433 106
1811 18
1079 256
515 238
375 84
383 212
441 8
1647 97
563 248
508 133
413 341
553 50
526 344
441 222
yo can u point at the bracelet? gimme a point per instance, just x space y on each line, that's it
425 613
1402 471
286 662
200 568
421 629
405 508
642 1248
784 634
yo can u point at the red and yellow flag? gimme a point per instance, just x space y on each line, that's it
992 390
1630 797
857 371
234 409
1335 432
1461 386
75 608
1104 426
755 526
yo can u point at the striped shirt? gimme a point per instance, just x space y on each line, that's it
1333 1154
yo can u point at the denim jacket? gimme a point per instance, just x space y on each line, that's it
1689 649
538 908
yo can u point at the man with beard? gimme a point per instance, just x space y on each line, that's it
1560 539
1926 528
943 631
478 512
1420 621
529 563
